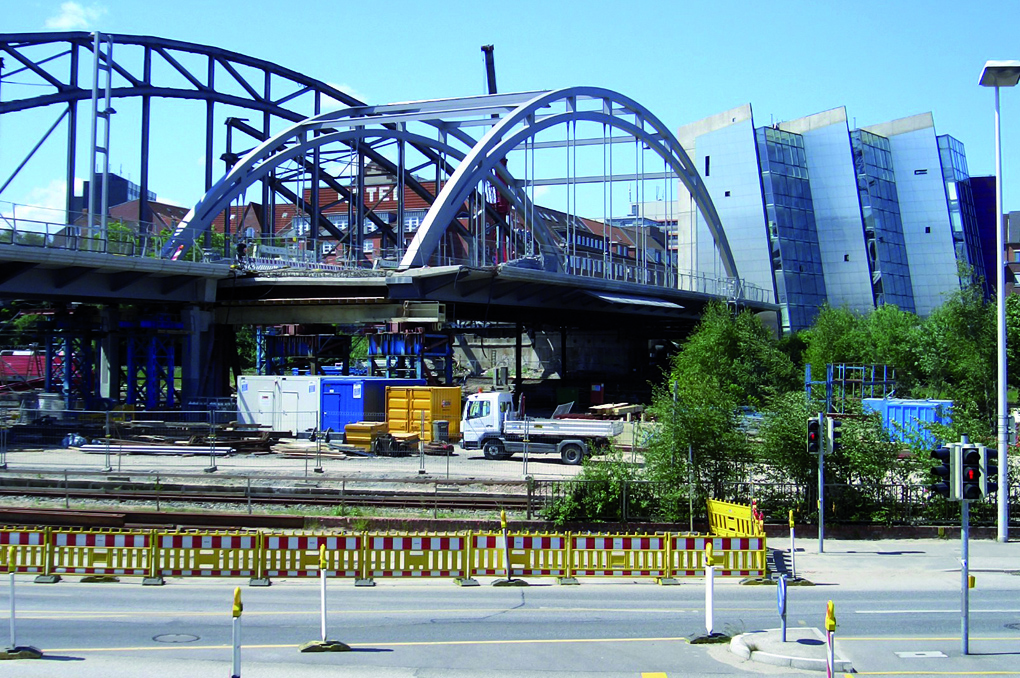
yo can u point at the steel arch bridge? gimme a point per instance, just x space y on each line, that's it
55 68
479 167
481 188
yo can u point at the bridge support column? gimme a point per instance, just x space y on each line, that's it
563 352
109 355
198 352
518 351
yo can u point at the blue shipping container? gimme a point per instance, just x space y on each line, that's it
904 419
349 399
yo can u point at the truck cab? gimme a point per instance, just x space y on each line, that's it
484 414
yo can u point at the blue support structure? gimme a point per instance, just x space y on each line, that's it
844 381
151 357
71 367
274 349
407 355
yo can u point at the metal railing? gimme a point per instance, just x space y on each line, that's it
46 228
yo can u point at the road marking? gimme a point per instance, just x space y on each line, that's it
654 675
929 673
912 639
922 654
103 614
953 611
422 643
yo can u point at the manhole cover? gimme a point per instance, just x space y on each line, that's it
175 638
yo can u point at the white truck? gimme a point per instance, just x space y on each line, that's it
491 424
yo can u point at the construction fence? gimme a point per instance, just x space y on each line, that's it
51 553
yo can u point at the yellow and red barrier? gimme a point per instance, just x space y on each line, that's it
155 554
218 554
531 555
32 547
297 555
415 556
100 552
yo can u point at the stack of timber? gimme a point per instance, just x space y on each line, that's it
139 447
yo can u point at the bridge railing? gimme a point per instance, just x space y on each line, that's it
47 228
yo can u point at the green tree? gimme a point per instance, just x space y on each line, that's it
739 353
782 442
894 337
957 351
1013 339
838 335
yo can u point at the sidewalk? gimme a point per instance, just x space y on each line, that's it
895 564
884 565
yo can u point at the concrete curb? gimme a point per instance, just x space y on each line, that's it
766 647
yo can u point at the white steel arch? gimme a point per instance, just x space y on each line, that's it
464 162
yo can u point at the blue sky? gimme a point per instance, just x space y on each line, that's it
682 60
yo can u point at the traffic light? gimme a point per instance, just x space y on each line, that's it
947 473
972 460
833 434
814 435
989 469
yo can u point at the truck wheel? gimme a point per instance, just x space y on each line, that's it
493 449
572 454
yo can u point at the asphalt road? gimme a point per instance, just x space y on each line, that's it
897 605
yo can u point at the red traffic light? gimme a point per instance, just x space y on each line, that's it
814 435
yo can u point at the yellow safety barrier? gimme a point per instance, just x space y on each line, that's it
100 552
415 555
619 555
531 555
726 519
297 555
31 545
155 554
733 556
217 554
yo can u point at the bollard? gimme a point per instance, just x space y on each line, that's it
709 588
322 587
11 567
793 549
236 632
323 645
781 604
14 651
509 581
830 639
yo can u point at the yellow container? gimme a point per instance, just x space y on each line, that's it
362 433
405 406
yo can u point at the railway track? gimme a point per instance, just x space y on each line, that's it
436 499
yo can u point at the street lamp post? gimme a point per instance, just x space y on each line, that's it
1001 74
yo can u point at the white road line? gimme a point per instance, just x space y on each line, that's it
953 611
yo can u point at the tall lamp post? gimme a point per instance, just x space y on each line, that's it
1001 74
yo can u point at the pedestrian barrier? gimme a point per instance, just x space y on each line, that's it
738 545
620 556
188 554
100 552
538 555
415 556
733 520
732 556
31 545
297 555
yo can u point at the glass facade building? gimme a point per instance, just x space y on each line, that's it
960 198
793 240
883 228
822 213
